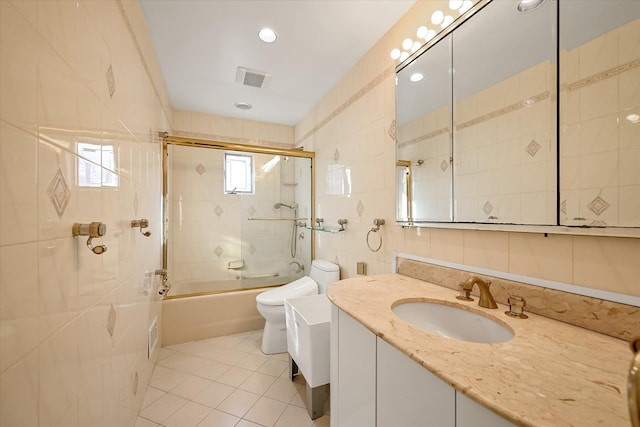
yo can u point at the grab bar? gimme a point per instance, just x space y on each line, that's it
260 276
634 383
275 219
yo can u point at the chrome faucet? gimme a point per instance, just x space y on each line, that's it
486 299
299 267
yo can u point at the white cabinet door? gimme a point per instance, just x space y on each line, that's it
472 414
356 385
408 395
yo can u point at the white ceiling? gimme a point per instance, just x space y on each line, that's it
200 44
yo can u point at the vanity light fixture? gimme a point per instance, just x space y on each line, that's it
525 6
438 18
416 77
267 35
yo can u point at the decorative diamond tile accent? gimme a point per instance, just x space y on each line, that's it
444 165
598 205
218 210
336 155
563 207
111 81
487 207
392 130
251 210
111 320
360 208
218 251
598 223
200 169
533 148
59 193
252 249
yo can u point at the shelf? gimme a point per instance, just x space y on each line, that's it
327 229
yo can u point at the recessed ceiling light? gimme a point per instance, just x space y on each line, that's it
267 35
416 77
243 106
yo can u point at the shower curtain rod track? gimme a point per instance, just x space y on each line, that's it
206 143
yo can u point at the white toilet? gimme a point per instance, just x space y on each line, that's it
271 303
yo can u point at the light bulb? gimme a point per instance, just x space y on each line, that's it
407 43
447 21
416 46
416 77
430 34
455 4
633 118
437 17
395 54
466 5
404 56
422 32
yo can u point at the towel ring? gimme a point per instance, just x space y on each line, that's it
377 222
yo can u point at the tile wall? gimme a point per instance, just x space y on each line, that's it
352 129
81 104
600 125
231 129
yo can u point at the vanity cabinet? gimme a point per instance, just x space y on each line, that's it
353 372
375 384
408 395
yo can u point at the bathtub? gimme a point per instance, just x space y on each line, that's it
213 309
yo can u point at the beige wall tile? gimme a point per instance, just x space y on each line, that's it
447 245
486 249
535 255
18 396
607 263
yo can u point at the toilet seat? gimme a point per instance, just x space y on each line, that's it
302 287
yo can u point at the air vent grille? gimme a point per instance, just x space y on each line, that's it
253 78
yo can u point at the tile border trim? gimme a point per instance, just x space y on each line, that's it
352 99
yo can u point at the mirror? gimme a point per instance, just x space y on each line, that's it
504 115
496 103
423 120
600 113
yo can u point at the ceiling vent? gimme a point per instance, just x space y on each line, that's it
253 78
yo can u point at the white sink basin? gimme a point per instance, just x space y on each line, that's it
452 322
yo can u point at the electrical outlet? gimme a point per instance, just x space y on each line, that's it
361 268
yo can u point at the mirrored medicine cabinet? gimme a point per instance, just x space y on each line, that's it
528 118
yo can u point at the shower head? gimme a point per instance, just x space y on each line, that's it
279 205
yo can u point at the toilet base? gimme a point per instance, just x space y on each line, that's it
274 338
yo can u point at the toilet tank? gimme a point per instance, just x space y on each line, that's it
324 273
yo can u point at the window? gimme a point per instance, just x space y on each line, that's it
97 165
238 173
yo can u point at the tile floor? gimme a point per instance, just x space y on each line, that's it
225 381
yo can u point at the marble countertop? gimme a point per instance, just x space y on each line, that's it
550 374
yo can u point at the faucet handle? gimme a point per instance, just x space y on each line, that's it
516 307
464 294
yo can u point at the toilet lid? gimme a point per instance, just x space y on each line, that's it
302 287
